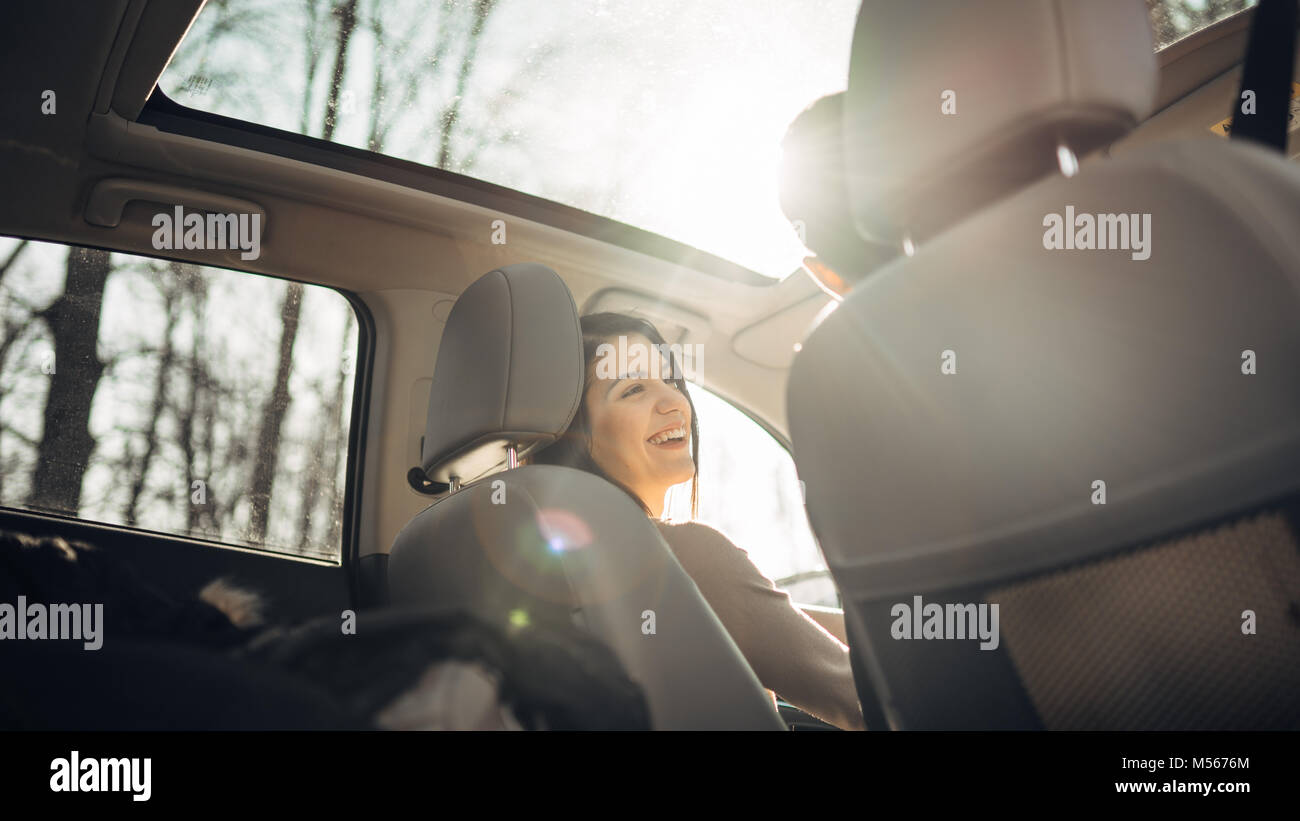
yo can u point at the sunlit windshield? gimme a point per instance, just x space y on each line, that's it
663 114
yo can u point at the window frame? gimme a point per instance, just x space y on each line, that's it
350 532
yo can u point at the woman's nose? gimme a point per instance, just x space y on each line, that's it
670 399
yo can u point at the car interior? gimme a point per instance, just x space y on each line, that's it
1104 444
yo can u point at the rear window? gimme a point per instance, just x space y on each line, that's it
174 398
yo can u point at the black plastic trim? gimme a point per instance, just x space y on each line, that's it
352 496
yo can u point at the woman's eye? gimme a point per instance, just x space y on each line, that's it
633 389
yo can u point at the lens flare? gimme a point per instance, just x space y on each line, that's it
563 530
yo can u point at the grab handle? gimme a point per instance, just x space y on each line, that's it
110 196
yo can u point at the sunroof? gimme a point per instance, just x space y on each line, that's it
665 115
1172 20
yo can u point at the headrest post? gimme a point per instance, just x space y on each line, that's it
512 456
453 484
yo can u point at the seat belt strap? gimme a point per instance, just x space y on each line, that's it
1270 60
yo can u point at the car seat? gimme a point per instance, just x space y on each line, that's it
1103 442
546 544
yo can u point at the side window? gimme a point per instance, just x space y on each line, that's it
748 490
174 397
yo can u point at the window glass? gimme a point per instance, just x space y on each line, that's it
748 490
663 114
173 397
1172 20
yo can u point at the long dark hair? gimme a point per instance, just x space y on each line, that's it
573 449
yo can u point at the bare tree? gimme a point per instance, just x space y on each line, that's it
311 482
196 287
139 470
11 259
339 442
273 413
378 90
382 117
331 442
312 59
451 113
219 506
10 333
346 12
277 403
66 444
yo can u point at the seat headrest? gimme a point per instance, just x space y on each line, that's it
952 105
814 197
509 372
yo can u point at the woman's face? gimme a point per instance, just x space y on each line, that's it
640 427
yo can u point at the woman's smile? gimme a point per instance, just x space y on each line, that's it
671 437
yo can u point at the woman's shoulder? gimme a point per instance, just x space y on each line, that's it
689 530
698 536
717 564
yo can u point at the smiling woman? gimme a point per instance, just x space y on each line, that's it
631 428
641 433
667 116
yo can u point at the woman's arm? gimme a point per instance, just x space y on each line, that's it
790 652
831 620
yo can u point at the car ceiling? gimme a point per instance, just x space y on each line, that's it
406 252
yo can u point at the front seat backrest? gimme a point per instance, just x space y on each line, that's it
1078 401
551 544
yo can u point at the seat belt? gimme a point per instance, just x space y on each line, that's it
1270 61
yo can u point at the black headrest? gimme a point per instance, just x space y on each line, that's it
814 195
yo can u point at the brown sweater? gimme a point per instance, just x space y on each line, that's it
789 652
